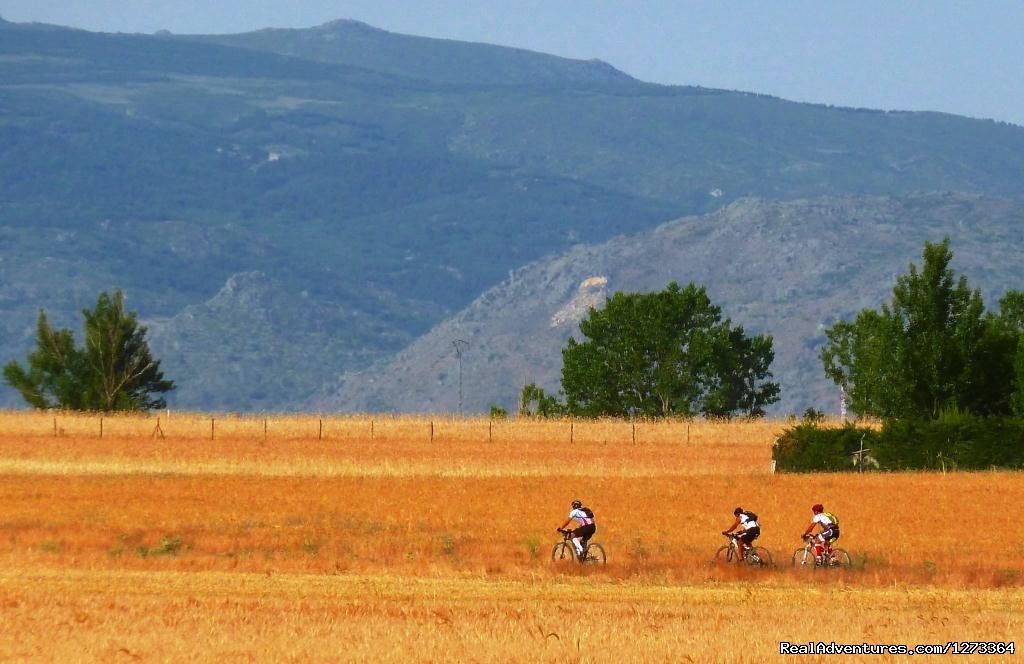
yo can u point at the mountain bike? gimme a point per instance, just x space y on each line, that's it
565 551
832 558
758 556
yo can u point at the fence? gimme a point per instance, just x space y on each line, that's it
383 428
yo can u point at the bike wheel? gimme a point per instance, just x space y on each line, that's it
595 555
803 559
725 554
759 557
840 559
563 552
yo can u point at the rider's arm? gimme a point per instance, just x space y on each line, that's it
732 527
809 529
562 527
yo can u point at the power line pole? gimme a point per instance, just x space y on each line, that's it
460 346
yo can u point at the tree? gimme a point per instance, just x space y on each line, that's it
533 402
1011 318
115 371
931 349
666 353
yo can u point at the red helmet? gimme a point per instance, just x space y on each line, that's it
818 509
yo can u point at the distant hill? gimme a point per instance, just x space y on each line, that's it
357 44
343 189
786 269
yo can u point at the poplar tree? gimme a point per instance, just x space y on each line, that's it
932 348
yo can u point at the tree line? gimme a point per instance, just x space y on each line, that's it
932 349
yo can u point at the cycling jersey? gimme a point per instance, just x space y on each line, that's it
747 522
823 519
581 517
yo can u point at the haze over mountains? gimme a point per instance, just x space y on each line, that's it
288 207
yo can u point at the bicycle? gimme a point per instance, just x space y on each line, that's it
564 551
833 558
757 556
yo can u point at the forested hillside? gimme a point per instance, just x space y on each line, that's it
287 206
787 269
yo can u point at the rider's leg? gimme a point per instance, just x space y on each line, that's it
819 547
579 545
828 544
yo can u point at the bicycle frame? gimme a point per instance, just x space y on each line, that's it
567 537
829 555
593 552
735 546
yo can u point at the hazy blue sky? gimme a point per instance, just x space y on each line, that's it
960 57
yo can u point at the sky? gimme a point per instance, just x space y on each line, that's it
963 57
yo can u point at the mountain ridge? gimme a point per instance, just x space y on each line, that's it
351 42
383 202
787 269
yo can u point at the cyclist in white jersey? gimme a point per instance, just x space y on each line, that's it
751 529
585 518
829 532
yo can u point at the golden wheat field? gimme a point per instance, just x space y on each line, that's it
308 538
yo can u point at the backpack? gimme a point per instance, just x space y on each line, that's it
589 512
750 515
835 520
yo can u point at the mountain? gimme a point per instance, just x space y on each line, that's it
788 269
357 44
283 207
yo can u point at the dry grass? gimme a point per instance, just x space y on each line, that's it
337 546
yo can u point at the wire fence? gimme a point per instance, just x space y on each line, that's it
384 428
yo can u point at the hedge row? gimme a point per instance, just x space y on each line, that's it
959 442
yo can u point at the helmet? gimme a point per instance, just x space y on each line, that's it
576 504
737 511
818 508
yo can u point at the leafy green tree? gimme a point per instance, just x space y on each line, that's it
666 353
115 371
931 349
1011 316
534 402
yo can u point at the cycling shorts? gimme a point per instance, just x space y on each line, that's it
585 532
830 534
748 536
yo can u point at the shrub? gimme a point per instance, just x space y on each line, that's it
954 441
808 447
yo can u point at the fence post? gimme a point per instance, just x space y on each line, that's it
634 433
264 429
431 430
55 427
571 436
320 433
101 426
211 428
490 430
371 429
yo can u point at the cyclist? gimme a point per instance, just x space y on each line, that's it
746 520
829 532
585 518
